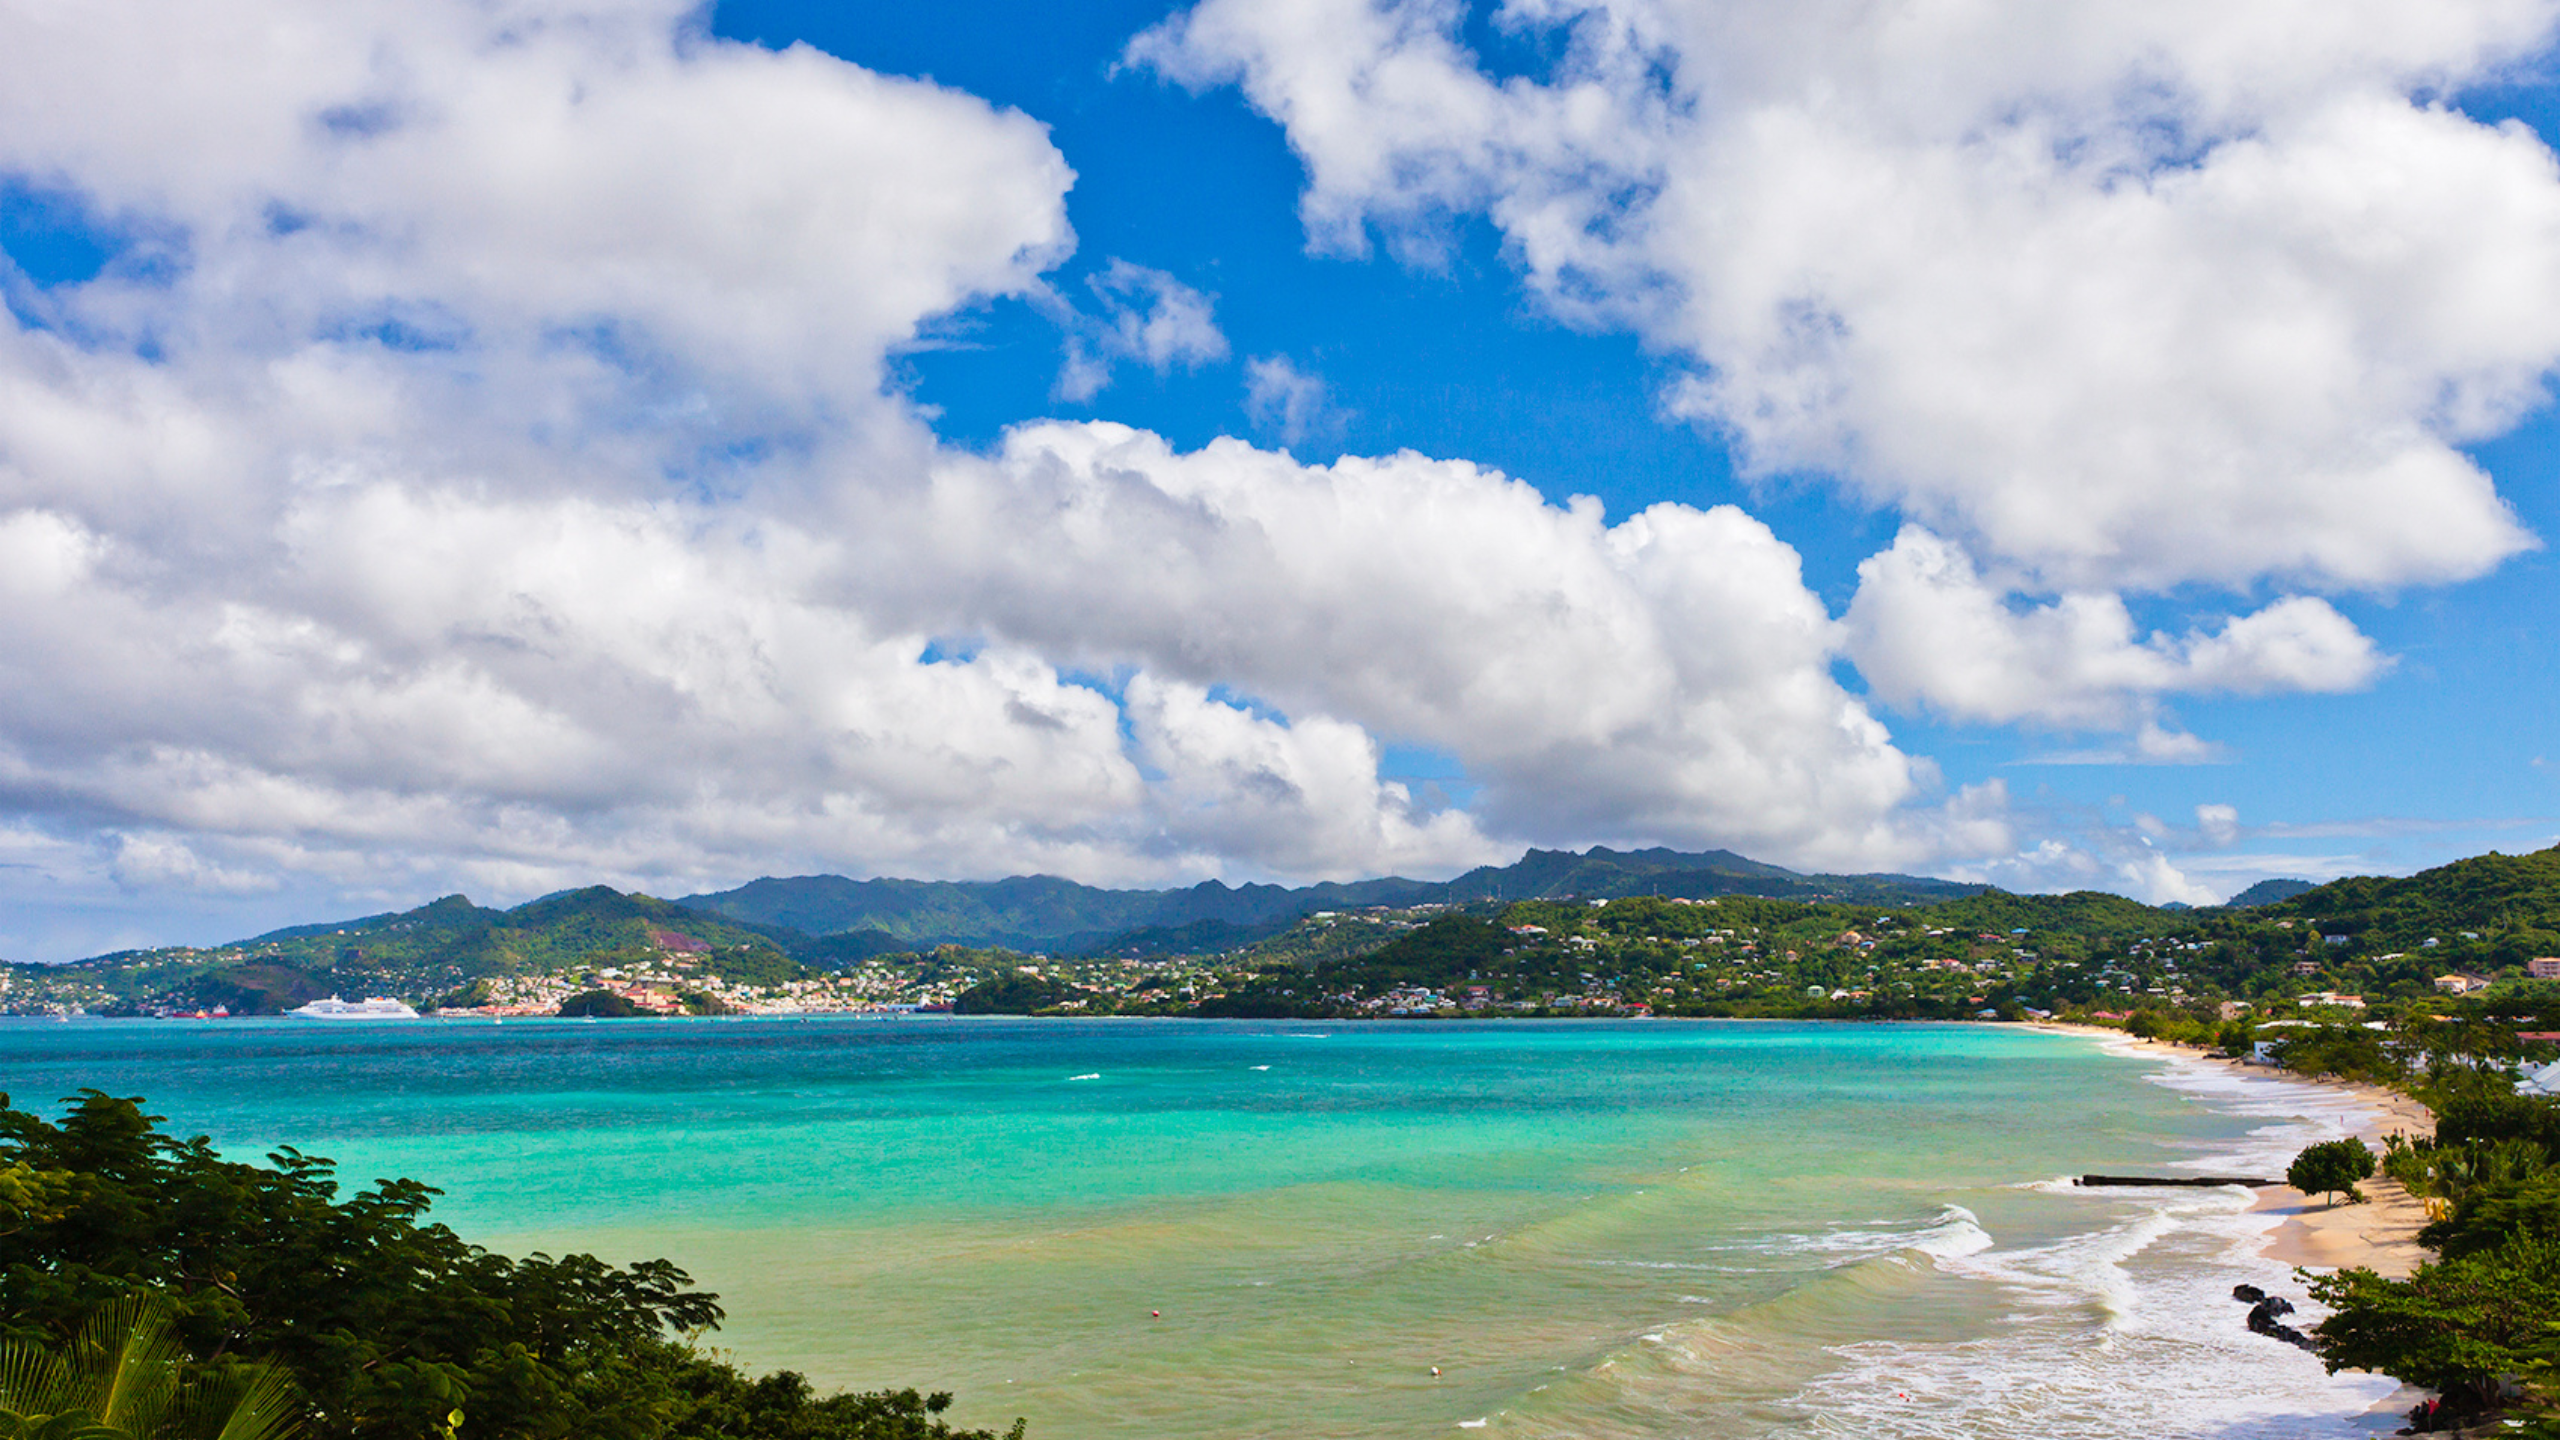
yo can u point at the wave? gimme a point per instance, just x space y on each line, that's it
2118 1322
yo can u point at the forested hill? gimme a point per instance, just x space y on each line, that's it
2505 906
1599 932
1042 912
437 950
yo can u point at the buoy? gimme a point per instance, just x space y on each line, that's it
1155 1314
1435 1369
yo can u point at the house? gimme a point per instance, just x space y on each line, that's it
2332 997
2262 1051
2543 967
2459 984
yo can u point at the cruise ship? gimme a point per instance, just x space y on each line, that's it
380 1007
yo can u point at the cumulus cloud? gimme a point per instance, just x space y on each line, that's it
2122 296
1927 630
1298 795
1665 676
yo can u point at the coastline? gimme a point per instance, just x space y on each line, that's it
2380 1235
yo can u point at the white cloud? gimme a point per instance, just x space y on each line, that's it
1666 677
1298 798
2218 824
1927 630
149 862
1147 316
2124 296
1286 401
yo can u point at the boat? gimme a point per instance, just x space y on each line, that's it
379 1007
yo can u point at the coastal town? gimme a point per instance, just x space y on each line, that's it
2371 953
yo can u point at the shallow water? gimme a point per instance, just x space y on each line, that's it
1592 1229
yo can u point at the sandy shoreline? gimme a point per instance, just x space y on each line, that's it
2381 1235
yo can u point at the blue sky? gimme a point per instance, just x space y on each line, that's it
498 449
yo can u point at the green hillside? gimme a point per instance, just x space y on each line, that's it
427 955
1658 950
1042 912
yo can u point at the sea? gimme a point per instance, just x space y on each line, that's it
1180 1230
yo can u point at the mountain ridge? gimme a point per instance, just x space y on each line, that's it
1045 912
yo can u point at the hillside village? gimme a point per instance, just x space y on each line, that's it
2484 932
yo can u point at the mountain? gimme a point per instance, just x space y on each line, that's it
439 948
2269 892
1042 912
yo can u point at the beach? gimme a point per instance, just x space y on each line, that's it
2380 1235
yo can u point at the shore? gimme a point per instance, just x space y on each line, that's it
2380 1235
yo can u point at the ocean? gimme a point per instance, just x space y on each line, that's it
1178 1230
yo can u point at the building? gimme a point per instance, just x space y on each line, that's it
2458 984
2543 967
2332 997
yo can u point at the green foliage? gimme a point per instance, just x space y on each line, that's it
2519 1196
386 1323
599 1004
1014 993
2331 1168
2349 1052
2478 1119
124 1378
2455 1326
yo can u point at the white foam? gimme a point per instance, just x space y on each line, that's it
1953 1231
2128 1329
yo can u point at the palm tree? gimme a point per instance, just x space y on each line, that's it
124 1379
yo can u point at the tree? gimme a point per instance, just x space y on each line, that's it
2331 1168
2459 1326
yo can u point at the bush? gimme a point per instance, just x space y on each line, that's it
2476 1119
2460 1325
2331 1168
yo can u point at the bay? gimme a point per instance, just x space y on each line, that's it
1164 1230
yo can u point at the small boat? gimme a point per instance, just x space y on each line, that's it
379 1007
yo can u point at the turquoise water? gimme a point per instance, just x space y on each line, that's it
1589 1228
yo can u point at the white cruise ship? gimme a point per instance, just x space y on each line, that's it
380 1007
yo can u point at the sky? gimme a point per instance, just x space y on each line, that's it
503 445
